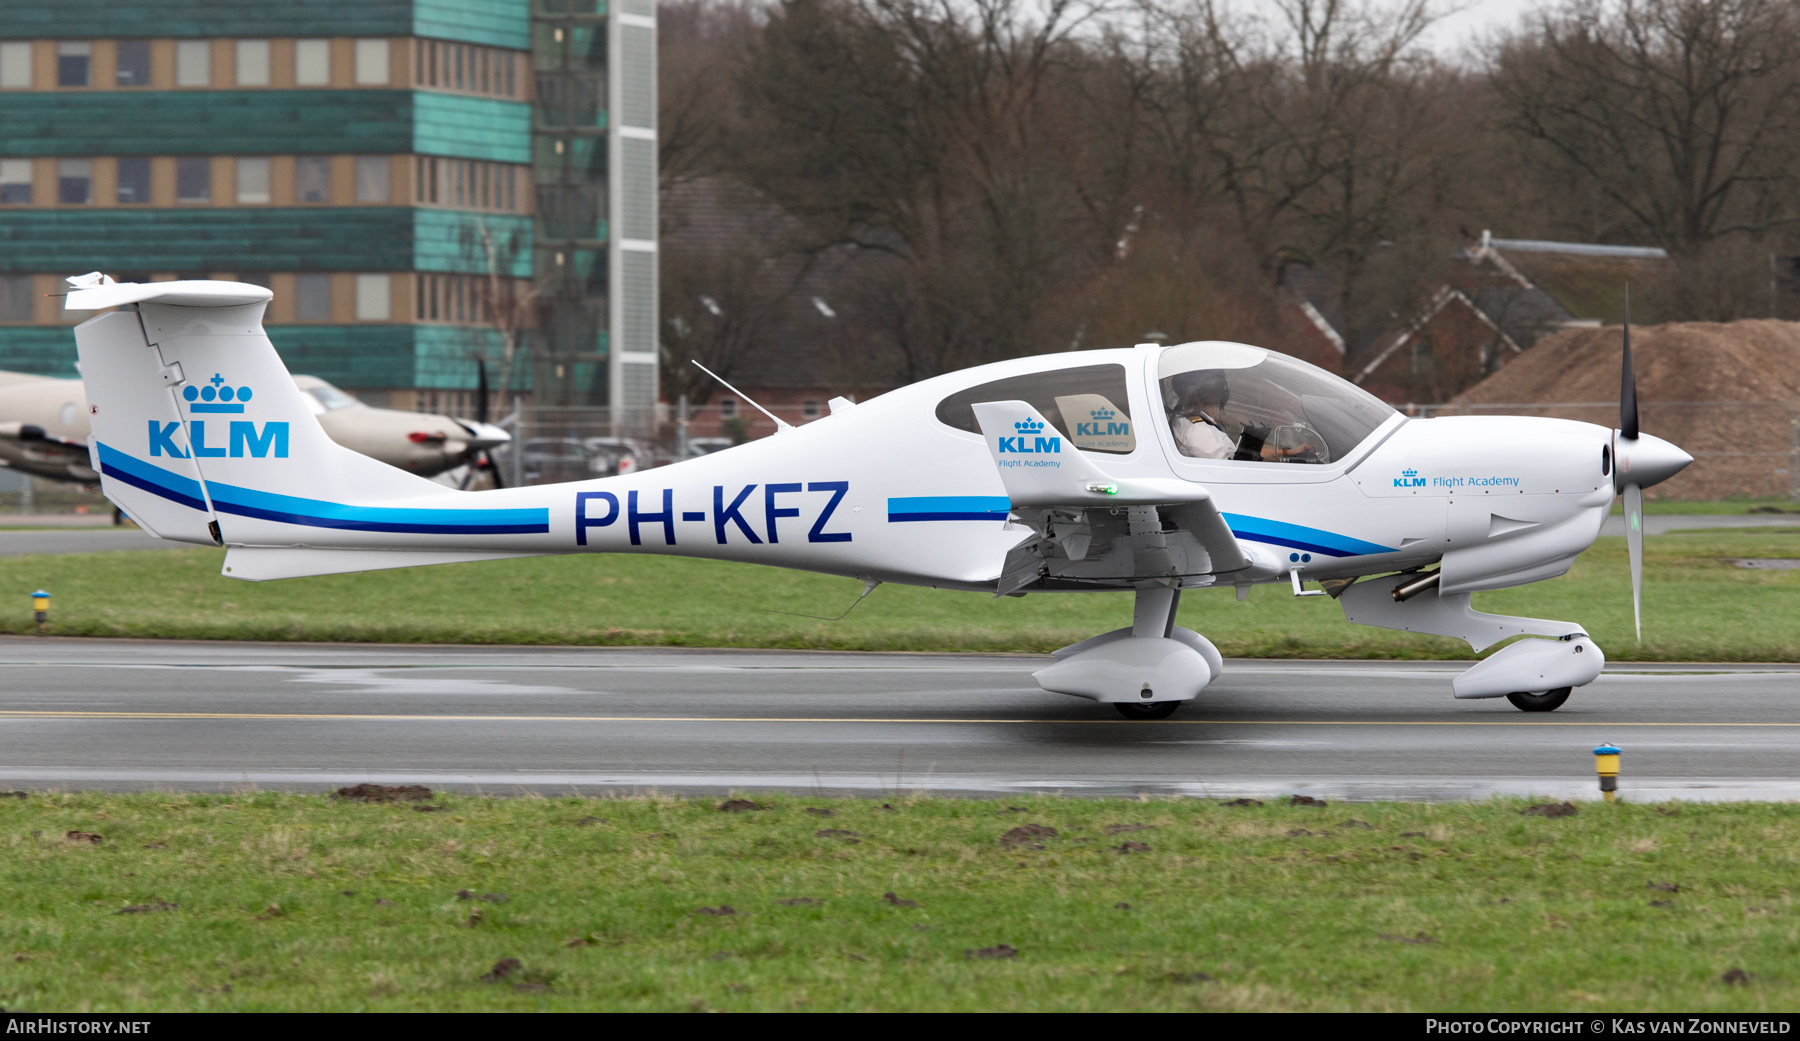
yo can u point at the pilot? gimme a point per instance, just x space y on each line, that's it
1202 430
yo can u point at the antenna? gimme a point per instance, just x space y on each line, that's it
780 424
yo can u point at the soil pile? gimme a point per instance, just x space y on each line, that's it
1729 394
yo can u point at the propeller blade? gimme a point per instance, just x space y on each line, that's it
493 468
1634 544
481 391
1628 409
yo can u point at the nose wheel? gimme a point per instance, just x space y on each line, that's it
1152 709
1548 701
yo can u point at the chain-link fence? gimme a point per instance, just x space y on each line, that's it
569 444
1740 448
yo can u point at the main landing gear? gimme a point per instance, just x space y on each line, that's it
1147 670
1548 701
1146 709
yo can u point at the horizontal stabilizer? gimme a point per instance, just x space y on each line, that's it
260 564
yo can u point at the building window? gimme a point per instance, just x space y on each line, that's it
15 298
15 65
371 178
728 408
312 298
193 63
133 69
74 62
312 63
255 278
134 181
810 409
371 63
193 179
312 178
252 180
253 63
75 182
15 182
372 298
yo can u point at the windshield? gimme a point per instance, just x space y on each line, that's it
1230 401
331 397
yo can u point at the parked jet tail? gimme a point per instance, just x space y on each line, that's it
200 435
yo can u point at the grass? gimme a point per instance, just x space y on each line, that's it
1729 507
1697 606
289 902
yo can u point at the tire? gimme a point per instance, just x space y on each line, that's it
1548 701
1146 709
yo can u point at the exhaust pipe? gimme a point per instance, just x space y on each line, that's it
1407 590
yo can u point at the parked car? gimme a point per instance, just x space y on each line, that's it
699 446
550 460
609 456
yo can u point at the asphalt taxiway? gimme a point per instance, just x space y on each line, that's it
137 715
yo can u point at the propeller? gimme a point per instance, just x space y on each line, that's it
1639 462
1634 492
484 460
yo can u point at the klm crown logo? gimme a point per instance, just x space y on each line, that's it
1029 441
1103 422
1409 478
216 396
242 437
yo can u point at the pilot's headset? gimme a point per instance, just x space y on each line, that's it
1198 387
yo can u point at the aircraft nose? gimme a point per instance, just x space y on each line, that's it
1646 460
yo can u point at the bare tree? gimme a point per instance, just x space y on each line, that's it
503 303
1681 113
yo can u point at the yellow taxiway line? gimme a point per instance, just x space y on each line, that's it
419 718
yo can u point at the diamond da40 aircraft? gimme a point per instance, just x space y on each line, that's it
1152 469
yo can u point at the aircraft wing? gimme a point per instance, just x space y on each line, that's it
1089 528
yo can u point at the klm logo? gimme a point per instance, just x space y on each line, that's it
1409 479
216 396
1028 442
242 437
1104 423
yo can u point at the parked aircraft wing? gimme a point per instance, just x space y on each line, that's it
1089 526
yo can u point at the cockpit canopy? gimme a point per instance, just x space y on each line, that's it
1232 401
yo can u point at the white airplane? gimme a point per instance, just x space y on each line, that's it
46 430
1153 469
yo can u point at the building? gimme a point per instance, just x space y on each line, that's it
379 164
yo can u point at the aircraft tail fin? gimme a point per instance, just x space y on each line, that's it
199 430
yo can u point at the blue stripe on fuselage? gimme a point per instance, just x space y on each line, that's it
287 509
1295 536
948 508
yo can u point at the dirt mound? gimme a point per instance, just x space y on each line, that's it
1726 393
1680 361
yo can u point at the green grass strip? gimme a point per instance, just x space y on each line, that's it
262 901
1698 606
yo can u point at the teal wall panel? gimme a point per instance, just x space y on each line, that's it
78 19
471 128
192 241
444 359
496 23
348 355
44 350
207 122
434 357
450 241
188 241
265 122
